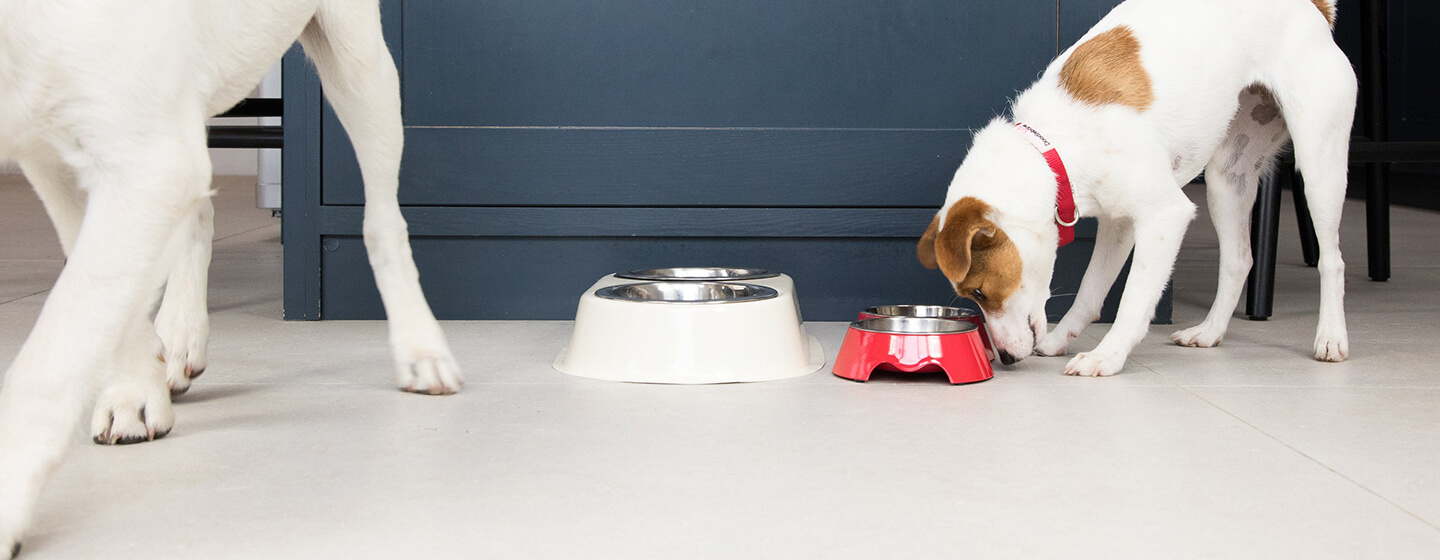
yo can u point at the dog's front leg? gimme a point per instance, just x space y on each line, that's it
135 405
1113 242
1157 233
138 194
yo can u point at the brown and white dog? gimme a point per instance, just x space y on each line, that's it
103 104
1156 92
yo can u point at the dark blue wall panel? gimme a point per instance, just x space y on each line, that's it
543 277
1078 16
550 143
492 270
672 167
1414 83
912 67
737 63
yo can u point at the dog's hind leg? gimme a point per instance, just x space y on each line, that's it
140 186
183 321
1316 89
1231 180
1113 242
360 81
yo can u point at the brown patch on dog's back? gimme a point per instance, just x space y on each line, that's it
973 253
1106 70
1324 6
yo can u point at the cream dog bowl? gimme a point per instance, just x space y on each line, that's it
716 274
690 332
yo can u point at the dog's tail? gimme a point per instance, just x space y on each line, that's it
1327 7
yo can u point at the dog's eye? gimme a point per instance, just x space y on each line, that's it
979 295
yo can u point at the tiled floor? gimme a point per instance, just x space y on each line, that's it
1251 450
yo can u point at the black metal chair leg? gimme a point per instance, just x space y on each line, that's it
1377 220
1309 245
1264 238
1374 37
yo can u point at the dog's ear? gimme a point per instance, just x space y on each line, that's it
966 229
925 250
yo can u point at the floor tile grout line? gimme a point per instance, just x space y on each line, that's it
253 230
24 297
1297 451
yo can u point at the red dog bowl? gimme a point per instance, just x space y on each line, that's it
913 345
930 311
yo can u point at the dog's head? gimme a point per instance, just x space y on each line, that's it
1007 276
995 238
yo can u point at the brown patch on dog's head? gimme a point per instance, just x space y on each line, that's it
1106 70
973 253
1326 8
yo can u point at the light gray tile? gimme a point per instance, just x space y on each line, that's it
604 470
1387 440
19 279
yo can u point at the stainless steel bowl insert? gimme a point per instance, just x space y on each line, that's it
909 325
698 274
928 311
686 292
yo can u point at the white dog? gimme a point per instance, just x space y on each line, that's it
103 104
1153 94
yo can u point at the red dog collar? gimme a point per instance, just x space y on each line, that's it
1065 217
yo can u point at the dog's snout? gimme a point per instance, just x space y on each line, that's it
1007 358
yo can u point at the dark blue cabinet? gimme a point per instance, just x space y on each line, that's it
549 143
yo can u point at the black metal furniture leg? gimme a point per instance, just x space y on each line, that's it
1309 245
1374 40
1377 220
1264 238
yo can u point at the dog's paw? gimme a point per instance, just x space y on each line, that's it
432 371
1095 364
1198 336
185 341
131 410
14 516
182 367
17 503
1332 345
430 375
1056 343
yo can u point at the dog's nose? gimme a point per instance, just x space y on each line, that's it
1007 359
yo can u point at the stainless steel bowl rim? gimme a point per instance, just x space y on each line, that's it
945 312
717 274
925 326
751 292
